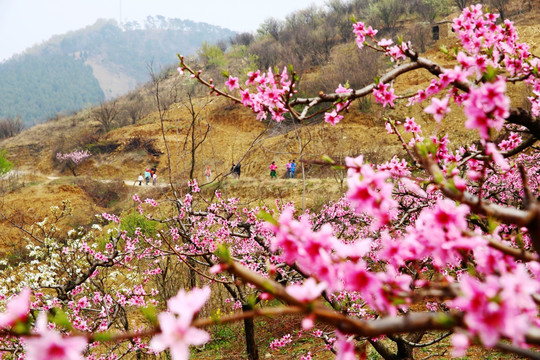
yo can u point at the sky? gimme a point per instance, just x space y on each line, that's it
24 23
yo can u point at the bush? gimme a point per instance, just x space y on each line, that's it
10 126
104 194
133 220
5 164
103 147
140 143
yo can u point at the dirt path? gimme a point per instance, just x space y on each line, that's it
136 183
13 174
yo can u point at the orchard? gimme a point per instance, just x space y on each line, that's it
439 244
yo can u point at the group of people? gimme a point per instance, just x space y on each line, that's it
149 174
290 169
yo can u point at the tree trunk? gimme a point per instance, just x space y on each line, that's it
404 350
72 168
249 329
192 274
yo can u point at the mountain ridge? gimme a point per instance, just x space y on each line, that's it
118 58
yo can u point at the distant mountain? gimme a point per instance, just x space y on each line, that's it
99 62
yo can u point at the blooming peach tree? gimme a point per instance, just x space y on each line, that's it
444 241
73 159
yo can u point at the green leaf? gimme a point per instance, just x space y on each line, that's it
432 148
327 159
444 49
21 327
268 286
103 336
422 150
438 177
150 313
60 318
263 215
398 301
490 74
445 320
471 269
519 241
353 19
225 73
251 301
223 253
452 186
492 224
216 316
290 68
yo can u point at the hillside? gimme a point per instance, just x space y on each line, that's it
233 136
100 62
230 135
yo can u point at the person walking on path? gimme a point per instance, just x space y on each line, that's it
154 179
288 170
208 173
147 176
140 179
293 168
273 170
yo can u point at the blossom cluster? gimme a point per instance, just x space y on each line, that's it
177 334
76 156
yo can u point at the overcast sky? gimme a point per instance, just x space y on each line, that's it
24 23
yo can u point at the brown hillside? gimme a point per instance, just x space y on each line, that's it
234 136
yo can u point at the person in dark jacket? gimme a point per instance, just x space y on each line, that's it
237 169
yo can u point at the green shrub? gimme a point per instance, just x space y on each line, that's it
133 220
5 164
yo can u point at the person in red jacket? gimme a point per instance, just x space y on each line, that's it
273 170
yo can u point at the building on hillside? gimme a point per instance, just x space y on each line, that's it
441 29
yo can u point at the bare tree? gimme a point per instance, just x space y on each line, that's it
462 4
500 6
347 65
106 114
10 126
270 27
388 12
196 134
244 38
338 17
268 51
428 9
135 108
